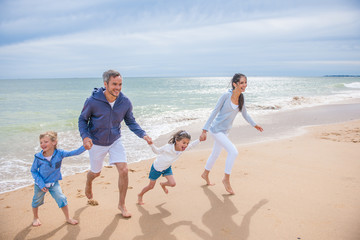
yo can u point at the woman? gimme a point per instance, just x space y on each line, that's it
220 123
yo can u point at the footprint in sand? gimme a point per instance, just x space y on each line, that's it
92 202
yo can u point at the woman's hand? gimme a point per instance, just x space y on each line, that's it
203 136
259 128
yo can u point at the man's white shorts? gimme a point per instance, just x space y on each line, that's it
97 155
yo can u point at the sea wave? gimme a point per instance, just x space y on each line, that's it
352 85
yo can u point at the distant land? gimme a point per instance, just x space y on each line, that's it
341 75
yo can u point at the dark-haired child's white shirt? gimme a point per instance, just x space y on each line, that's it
167 155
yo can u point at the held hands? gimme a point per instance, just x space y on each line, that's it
148 139
259 128
44 189
203 136
87 143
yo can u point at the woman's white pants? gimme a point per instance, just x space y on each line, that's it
222 141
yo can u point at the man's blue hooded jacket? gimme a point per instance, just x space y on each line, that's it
102 123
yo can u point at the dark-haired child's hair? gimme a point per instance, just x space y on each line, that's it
178 136
236 78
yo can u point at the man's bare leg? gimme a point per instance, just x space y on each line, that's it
88 187
123 186
205 176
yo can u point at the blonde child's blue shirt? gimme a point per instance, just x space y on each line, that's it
222 117
44 171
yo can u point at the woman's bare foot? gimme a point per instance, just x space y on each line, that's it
140 200
164 188
36 222
228 186
205 176
124 212
72 221
88 190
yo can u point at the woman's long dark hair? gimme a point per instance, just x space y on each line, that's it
236 78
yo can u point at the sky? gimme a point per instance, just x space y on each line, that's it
158 38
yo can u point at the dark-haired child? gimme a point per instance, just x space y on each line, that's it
167 154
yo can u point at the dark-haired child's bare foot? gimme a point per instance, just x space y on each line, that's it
205 176
228 186
36 222
140 200
124 212
164 188
72 221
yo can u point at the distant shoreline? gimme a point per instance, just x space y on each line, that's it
341 75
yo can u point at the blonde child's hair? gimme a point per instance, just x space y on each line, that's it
178 136
51 134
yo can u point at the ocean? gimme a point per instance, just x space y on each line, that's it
32 106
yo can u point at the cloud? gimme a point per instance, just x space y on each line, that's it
196 38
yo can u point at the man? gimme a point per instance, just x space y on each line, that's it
99 126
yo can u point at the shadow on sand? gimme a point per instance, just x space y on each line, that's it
154 227
72 230
218 219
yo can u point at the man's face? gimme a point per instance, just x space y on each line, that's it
114 86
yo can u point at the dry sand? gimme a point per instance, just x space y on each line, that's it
300 187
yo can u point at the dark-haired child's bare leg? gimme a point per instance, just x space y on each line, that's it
169 183
150 186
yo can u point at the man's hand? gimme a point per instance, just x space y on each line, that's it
148 139
87 143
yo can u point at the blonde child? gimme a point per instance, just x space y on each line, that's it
167 154
46 173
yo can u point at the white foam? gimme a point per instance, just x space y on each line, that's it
352 85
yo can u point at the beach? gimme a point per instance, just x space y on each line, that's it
299 179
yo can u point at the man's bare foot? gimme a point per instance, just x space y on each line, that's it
124 212
140 200
164 188
205 176
228 186
36 222
88 190
72 221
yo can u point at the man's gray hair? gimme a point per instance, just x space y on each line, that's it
110 73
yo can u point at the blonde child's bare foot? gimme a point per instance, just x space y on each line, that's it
140 200
164 188
228 186
88 191
36 222
206 178
72 221
124 212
